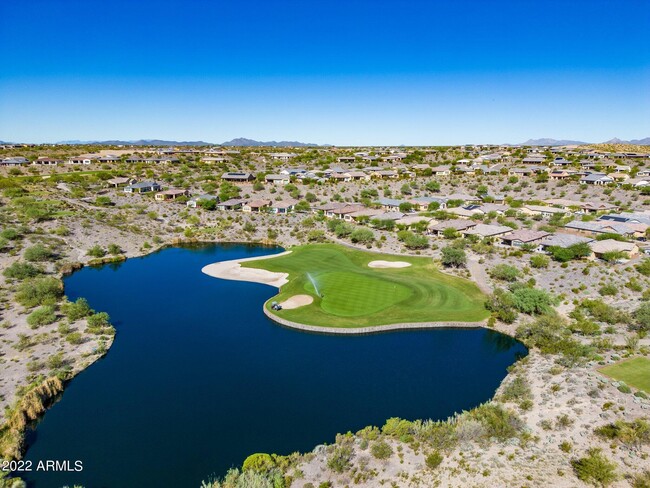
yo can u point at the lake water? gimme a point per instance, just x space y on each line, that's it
198 378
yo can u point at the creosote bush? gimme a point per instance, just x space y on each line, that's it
595 468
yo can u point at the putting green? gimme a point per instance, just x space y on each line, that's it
351 294
634 372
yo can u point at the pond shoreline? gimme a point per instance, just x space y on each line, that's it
372 329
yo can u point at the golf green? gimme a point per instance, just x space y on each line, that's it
634 372
349 293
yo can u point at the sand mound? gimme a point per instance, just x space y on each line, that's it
297 301
388 264
232 270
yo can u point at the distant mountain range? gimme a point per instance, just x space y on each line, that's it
140 142
566 142
240 141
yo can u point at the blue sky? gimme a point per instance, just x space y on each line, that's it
341 72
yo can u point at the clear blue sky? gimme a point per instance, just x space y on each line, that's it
344 72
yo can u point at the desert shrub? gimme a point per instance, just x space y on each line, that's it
539 261
415 241
369 433
433 460
21 271
115 249
362 235
74 338
634 433
396 427
516 390
498 422
381 450
608 290
642 317
339 459
41 316
501 304
595 468
56 361
261 462
39 291
532 300
38 253
504 272
641 480
96 251
551 335
76 310
602 312
644 267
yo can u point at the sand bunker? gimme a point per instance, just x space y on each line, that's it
232 270
297 301
388 264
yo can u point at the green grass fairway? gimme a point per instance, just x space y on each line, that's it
633 372
354 295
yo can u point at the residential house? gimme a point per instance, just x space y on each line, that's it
595 207
546 212
238 177
79 160
195 201
278 179
121 181
256 205
600 248
171 194
523 237
422 203
143 187
458 225
562 240
283 206
596 179
14 161
231 204
486 230
282 156
42 161
389 204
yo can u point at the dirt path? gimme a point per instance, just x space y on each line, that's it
479 276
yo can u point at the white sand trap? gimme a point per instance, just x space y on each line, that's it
297 301
232 270
388 264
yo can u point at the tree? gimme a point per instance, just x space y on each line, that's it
310 197
302 206
453 257
433 206
39 291
228 190
405 207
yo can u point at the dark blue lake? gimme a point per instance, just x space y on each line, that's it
198 378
